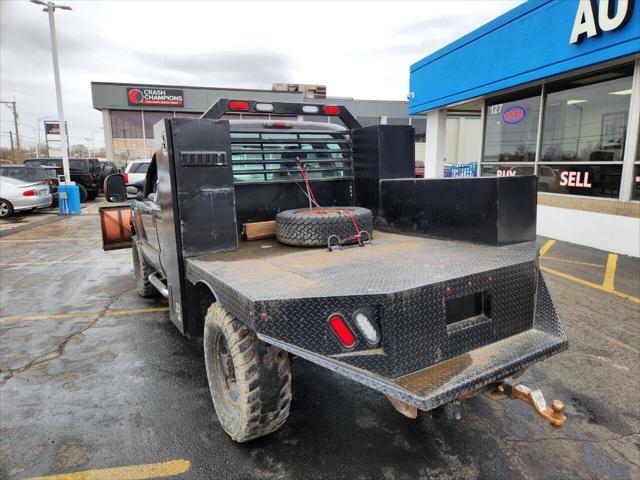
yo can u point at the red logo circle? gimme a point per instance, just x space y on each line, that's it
135 96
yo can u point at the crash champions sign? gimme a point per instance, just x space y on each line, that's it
141 96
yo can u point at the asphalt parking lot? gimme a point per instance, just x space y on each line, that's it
95 382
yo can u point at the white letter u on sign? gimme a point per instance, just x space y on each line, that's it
608 20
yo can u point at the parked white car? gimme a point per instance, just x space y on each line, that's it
18 195
136 170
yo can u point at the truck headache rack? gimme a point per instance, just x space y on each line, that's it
226 106
271 156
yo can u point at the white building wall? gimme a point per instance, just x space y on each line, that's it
452 141
469 140
463 139
612 233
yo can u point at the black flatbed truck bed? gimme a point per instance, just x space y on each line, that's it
268 270
273 284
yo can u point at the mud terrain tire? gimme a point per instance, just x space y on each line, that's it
142 270
249 380
305 228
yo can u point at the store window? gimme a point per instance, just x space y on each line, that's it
188 114
511 128
503 170
151 118
584 132
126 124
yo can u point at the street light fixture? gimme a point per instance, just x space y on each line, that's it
50 8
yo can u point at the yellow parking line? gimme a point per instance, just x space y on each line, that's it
589 284
610 273
575 262
108 313
130 472
545 248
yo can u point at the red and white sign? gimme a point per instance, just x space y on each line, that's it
52 128
139 96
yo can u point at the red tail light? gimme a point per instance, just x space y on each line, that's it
29 193
342 331
126 177
331 110
238 105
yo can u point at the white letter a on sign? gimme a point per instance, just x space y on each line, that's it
585 22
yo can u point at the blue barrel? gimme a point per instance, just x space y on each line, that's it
68 199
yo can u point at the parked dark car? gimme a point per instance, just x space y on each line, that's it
84 171
106 168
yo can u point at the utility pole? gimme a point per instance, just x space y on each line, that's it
36 134
50 8
13 153
15 126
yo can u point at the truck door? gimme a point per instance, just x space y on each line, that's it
150 216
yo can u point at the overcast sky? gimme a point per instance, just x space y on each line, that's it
358 49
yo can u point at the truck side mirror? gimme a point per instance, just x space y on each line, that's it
115 189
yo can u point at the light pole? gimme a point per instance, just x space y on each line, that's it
50 8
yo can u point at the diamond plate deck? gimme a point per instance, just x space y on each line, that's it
287 293
266 270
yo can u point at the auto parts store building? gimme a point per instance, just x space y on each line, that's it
557 86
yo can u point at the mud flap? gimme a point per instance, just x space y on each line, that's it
116 227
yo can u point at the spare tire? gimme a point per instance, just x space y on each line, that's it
312 228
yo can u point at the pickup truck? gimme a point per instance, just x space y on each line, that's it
274 238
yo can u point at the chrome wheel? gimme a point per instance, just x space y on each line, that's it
5 209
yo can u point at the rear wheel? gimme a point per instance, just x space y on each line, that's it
142 271
92 195
83 194
6 209
249 380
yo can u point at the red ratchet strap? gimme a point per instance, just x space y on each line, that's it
358 235
306 181
348 213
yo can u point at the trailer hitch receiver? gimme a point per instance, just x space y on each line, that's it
552 414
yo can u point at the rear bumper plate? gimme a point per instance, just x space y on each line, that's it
448 380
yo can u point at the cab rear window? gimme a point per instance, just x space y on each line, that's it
273 156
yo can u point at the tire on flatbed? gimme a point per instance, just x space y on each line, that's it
142 270
304 228
249 380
